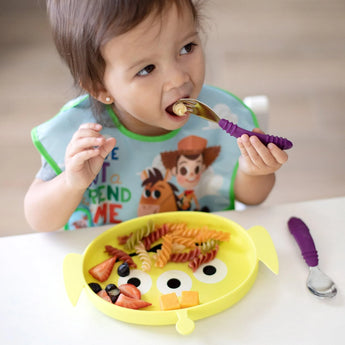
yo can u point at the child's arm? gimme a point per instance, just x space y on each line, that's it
48 205
257 164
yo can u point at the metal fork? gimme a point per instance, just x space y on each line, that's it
202 110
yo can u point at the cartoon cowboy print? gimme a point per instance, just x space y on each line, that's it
187 164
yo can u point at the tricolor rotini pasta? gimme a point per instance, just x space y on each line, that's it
155 236
177 241
203 258
138 235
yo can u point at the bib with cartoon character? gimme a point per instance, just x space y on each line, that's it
192 168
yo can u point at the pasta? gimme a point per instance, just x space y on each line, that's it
155 236
209 245
206 234
186 256
138 235
177 247
188 242
177 242
163 254
121 255
143 256
203 258
123 239
203 234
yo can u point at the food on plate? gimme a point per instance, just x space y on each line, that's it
169 301
103 294
189 299
154 246
126 295
102 271
131 303
95 287
113 292
130 290
123 270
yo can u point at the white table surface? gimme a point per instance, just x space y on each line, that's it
277 310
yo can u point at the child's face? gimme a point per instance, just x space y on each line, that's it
152 66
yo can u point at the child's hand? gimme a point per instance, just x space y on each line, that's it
256 159
85 154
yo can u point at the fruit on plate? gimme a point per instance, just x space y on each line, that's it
130 290
95 287
131 303
123 270
102 271
103 294
113 292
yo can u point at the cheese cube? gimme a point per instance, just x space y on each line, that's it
169 301
189 299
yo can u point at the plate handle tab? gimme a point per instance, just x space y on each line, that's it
265 249
184 325
73 276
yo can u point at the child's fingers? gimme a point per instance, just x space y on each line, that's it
82 144
108 145
87 130
91 125
243 150
261 156
249 151
258 130
279 155
80 158
263 152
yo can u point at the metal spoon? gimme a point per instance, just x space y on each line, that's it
318 282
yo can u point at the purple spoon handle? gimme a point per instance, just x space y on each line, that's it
236 132
301 233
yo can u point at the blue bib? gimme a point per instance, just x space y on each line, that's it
192 168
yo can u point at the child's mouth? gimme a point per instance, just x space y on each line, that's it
171 112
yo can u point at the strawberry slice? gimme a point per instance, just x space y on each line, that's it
131 303
103 294
102 271
130 290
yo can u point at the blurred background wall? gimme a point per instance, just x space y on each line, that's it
293 51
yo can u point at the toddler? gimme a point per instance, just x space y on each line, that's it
118 151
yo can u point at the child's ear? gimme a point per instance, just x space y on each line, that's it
100 93
104 96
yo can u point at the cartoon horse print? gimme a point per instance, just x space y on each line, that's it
158 194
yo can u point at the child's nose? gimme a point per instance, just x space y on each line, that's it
175 78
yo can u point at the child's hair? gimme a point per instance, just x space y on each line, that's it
81 28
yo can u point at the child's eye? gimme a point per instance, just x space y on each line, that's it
188 48
145 71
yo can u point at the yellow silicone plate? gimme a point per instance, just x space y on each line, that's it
233 272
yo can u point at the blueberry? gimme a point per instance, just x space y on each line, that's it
95 287
123 270
113 292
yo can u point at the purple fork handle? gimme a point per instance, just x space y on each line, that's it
301 233
236 132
